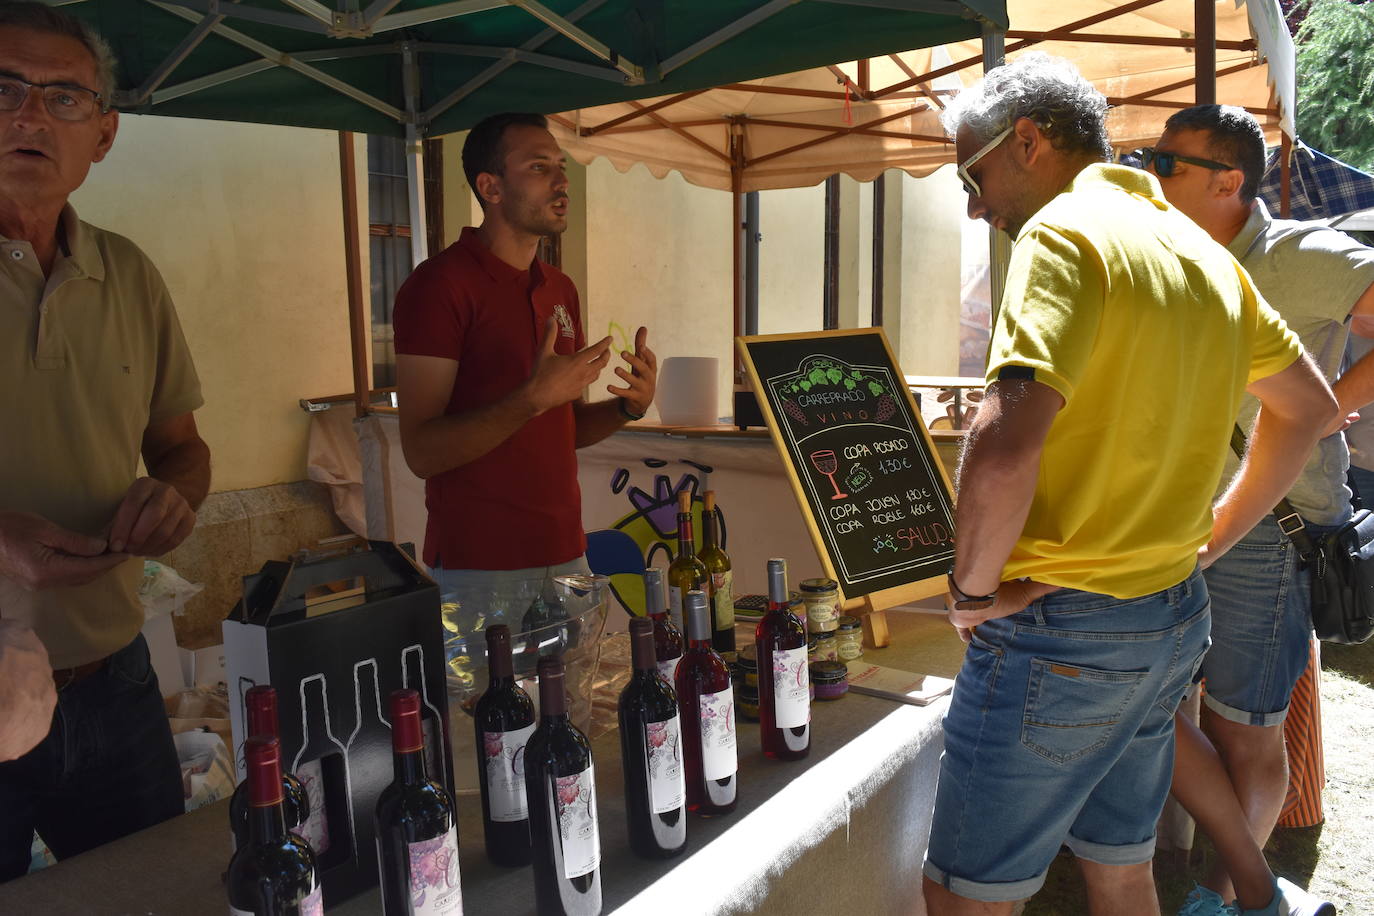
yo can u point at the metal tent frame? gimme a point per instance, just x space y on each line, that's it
425 67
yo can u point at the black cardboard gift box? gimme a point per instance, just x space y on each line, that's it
335 633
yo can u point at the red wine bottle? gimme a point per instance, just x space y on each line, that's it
561 788
273 873
651 754
784 686
504 721
417 833
668 642
260 718
707 704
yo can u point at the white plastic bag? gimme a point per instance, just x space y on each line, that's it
163 591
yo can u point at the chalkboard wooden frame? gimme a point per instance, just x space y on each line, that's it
926 577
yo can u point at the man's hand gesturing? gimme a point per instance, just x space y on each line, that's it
642 377
558 379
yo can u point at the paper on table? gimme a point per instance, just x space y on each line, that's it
903 686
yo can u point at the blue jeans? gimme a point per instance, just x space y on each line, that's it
106 769
1061 731
1261 626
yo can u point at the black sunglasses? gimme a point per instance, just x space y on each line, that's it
1162 164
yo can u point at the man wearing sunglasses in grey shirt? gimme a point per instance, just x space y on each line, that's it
1210 161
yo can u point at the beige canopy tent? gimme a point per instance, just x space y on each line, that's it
868 116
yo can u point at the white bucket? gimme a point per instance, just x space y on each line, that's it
687 391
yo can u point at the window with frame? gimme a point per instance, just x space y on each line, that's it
389 222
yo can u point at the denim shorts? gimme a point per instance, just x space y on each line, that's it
1061 731
1261 626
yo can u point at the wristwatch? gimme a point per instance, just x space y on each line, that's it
964 602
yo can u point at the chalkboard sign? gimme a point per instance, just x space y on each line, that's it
860 460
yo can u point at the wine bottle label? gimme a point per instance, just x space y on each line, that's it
434 886
723 597
667 784
675 605
504 756
668 669
575 801
791 699
315 830
313 905
718 758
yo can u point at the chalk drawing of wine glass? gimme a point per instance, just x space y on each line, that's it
824 461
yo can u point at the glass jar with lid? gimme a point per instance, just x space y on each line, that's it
822 600
849 638
823 647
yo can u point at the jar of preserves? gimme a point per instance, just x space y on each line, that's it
823 647
849 638
822 600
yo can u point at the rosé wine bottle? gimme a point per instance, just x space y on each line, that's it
784 685
707 705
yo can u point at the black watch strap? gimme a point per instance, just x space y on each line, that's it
966 602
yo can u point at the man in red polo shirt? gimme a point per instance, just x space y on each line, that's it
491 366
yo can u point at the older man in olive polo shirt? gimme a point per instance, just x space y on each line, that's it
94 374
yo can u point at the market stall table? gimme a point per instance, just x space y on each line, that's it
847 825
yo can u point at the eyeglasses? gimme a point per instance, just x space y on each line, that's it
1163 164
63 100
970 184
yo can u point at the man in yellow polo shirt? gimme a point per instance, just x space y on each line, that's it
1124 342
94 375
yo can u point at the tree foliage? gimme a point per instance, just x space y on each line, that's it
1335 46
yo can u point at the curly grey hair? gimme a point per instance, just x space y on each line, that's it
39 17
1048 90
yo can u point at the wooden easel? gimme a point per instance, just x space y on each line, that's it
872 609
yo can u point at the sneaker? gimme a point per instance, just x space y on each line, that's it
1203 901
1291 900
1298 902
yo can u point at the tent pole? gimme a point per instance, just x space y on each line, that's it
1205 26
999 243
357 314
415 190
737 236
415 162
736 147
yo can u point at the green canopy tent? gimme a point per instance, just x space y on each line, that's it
440 66
419 68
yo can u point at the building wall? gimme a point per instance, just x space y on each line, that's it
933 216
245 223
658 254
791 259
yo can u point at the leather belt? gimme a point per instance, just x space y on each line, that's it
63 678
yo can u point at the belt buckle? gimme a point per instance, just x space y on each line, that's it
1295 520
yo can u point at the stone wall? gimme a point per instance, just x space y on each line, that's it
236 532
